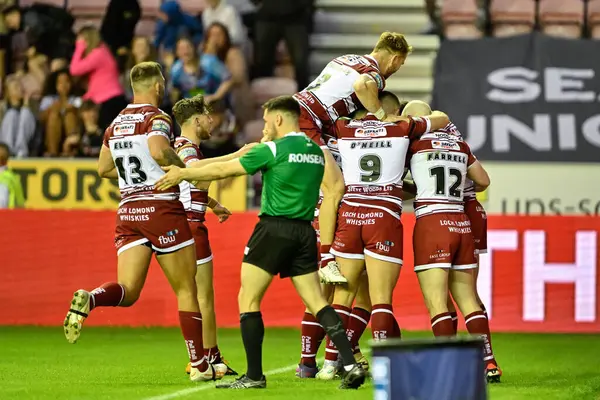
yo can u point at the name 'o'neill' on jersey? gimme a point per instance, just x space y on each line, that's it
194 200
439 166
127 138
331 95
373 157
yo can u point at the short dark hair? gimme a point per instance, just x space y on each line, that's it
4 151
11 9
50 84
88 105
144 73
185 109
285 104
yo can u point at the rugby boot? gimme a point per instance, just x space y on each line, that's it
493 373
305 371
243 382
330 274
202 376
354 378
329 371
78 311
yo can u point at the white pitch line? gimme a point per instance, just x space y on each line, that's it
185 392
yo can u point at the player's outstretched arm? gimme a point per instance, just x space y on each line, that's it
479 176
106 164
211 172
367 90
162 152
227 157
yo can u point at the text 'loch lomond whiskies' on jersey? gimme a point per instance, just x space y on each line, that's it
306 158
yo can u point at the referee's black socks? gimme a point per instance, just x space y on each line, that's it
334 327
253 332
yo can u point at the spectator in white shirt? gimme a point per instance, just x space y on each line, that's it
226 14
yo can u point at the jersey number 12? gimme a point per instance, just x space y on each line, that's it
439 173
130 170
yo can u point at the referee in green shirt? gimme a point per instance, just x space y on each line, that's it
283 241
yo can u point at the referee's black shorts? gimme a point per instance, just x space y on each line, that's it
287 247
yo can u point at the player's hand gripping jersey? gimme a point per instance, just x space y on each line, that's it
194 200
331 95
442 237
127 138
373 160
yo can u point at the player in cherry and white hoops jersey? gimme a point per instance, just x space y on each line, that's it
136 145
345 84
369 230
196 124
443 244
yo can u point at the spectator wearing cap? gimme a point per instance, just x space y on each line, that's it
11 190
18 126
172 24
93 59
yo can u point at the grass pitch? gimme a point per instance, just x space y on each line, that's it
144 364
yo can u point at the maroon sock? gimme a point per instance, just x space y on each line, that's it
110 294
357 323
383 322
477 324
441 325
396 331
213 355
312 336
331 352
191 328
454 316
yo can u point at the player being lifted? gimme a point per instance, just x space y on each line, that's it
345 84
136 144
312 332
369 231
442 239
196 124
283 241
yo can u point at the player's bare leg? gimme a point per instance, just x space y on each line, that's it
307 287
180 269
462 287
493 371
453 313
342 303
132 269
206 302
383 277
254 283
434 286
312 336
359 319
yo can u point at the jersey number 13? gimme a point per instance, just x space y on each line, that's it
130 170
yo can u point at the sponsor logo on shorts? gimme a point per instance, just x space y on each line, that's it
440 253
384 246
168 238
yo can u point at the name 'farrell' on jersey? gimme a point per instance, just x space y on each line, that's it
439 166
331 95
194 200
373 157
127 138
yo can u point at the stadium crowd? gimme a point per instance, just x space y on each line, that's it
65 71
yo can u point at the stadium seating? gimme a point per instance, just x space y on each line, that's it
562 17
512 17
265 88
459 18
593 18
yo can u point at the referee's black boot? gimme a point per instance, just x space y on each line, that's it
354 378
243 382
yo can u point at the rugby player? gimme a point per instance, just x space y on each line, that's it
136 144
478 218
283 241
193 117
443 242
312 332
369 232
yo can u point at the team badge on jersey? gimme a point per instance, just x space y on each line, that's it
438 144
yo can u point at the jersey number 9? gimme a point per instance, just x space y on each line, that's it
130 170
370 164
440 175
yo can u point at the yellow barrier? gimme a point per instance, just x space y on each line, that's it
75 184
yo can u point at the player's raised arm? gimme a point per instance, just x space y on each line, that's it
390 53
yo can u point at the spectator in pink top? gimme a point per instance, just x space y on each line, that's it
93 59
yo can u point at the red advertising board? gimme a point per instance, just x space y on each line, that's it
542 274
